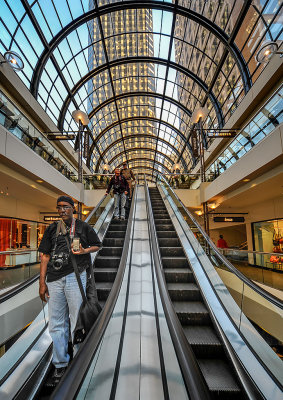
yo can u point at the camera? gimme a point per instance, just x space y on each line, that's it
59 260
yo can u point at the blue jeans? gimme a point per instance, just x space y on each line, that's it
64 303
120 198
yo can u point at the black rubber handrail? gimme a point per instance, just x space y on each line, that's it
227 263
22 286
192 375
73 378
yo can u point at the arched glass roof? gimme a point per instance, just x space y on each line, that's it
139 68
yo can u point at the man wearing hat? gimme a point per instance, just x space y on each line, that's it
128 174
57 283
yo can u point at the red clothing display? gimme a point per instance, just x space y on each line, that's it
222 244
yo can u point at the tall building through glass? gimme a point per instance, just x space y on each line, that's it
199 50
126 34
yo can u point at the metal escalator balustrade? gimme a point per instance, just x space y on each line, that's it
246 346
191 309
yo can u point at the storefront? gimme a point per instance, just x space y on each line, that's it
16 234
268 238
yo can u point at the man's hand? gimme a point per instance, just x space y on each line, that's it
88 250
43 291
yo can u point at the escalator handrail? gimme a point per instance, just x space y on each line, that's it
269 297
71 382
192 375
22 286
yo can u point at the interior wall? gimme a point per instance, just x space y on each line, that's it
234 235
16 208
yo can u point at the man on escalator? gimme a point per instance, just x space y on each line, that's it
58 284
120 190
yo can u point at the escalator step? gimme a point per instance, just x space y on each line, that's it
204 341
220 381
111 251
107 262
166 221
176 262
170 242
103 289
184 292
105 274
178 275
160 213
115 242
118 222
172 251
164 227
167 234
114 234
116 227
192 312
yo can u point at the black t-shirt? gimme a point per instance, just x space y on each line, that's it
88 237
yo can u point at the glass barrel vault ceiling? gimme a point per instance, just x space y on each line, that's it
139 68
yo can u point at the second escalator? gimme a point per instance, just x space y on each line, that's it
191 309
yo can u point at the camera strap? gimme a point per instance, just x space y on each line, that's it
72 230
75 266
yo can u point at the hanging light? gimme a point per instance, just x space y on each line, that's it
106 167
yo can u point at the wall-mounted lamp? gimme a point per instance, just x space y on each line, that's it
266 51
176 167
80 116
199 213
14 60
199 113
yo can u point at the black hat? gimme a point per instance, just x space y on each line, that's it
67 199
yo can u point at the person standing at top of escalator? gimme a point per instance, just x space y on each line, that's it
58 283
128 174
221 243
120 190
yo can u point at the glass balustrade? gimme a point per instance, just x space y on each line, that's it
16 123
17 266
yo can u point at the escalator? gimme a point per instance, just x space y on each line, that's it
191 308
207 323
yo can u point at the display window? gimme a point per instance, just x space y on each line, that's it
19 234
268 238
